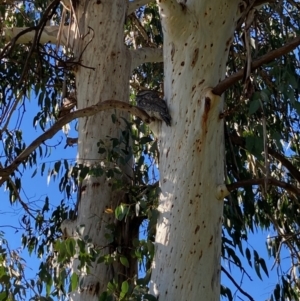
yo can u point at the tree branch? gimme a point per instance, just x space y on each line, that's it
89 111
265 59
270 181
236 284
145 55
50 33
285 162
133 5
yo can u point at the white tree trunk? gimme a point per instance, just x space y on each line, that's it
110 80
197 37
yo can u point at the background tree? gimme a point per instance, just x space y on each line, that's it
247 50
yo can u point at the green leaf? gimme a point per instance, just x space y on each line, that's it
101 259
254 106
248 256
121 212
3 295
124 261
250 142
101 150
66 164
57 166
264 95
277 292
110 173
43 169
145 140
264 266
74 281
225 291
124 289
257 269
149 297
49 283
70 245
84 172
103 296
232 254
34 173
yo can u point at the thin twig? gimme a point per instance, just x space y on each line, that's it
265 59
271 181
281 158
236 284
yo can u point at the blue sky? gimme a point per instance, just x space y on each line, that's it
37 188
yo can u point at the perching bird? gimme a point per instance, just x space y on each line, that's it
150 102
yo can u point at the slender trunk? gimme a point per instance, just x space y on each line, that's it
101 24
197 36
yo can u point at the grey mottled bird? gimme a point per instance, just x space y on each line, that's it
155 106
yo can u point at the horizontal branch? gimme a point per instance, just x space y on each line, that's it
145 55
265 59
270 181
89 111
49 35
133 5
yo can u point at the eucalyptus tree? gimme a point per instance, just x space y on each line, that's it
229 73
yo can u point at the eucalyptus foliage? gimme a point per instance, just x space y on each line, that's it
262 133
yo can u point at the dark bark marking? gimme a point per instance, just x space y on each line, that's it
96 184
182 3
198 145
172 51
93 289
195 57
228 42
197 229
207 104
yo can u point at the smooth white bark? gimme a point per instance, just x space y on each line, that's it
197 36
111 60
143 55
